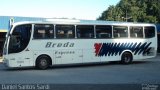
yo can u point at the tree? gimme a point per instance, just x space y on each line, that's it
133 11
112 14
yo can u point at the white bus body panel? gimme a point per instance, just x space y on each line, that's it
21 59
82 50
75 51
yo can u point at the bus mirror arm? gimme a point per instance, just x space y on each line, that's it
9 34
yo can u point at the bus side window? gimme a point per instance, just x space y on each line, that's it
116 35
43 31
85 31
136 32
65 31
149 31
103 31
120 31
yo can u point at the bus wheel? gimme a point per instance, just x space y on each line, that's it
42 62
126 58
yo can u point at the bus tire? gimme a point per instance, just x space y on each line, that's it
42 62
126 58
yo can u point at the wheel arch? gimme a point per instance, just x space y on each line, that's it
129 51
44 55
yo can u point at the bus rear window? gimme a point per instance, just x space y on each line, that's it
149 31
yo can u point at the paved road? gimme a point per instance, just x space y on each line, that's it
146 71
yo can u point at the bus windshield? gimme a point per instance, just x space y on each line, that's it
19 38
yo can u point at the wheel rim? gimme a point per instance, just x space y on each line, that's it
43 62
127 58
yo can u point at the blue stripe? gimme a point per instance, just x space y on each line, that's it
110 49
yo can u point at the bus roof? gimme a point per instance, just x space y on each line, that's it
81 22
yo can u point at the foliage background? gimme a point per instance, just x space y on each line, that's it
133 11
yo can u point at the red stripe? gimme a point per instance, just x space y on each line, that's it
97 47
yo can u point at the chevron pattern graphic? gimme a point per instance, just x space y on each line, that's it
110 49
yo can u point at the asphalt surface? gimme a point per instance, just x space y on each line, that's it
139 72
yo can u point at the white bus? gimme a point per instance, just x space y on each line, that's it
43 44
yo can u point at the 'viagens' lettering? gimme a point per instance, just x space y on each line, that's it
52 45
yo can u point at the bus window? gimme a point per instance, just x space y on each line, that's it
42 31
149 32
19 38
136 32
65 31
120 31
103 31
85 31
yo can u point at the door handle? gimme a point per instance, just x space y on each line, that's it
27 58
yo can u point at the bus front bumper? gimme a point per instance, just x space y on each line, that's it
5 62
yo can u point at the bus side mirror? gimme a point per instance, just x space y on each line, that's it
8 35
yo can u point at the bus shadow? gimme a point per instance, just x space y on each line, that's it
19 69
141 62
112 63
82 65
